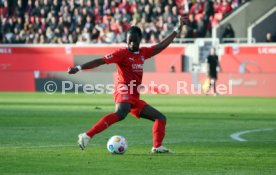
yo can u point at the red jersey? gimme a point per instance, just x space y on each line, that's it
129 66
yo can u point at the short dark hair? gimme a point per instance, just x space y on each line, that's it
135 30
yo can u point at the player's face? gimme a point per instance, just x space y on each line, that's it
133 42
213 51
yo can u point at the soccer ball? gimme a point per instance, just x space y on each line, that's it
117 145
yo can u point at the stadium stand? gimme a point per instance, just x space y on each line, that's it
105 21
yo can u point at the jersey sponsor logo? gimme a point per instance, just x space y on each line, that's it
137 66
5 50
267 50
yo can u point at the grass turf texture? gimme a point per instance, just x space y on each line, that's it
38 134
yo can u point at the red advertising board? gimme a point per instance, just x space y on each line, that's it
251 69
228 84
249 59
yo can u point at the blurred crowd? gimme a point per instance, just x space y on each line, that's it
105 21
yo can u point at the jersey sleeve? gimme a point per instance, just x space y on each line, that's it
208 59
115 57
147 52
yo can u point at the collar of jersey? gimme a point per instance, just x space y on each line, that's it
135 52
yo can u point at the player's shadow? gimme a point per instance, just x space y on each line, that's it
156 154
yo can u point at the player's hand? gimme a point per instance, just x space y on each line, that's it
72 70
182 21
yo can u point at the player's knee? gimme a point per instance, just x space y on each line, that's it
122 110
161 117
212 82
122 113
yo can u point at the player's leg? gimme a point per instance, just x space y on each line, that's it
211 77
150 113
121 111
207 85
158 128
213 82
214 86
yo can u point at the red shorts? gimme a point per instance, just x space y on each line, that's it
136 104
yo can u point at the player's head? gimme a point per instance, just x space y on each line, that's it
213 51
133 38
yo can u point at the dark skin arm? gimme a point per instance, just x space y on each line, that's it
168 40
156 49
89 65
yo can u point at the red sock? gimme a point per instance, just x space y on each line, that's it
103 124
158 132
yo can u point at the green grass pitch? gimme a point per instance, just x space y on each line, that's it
38 134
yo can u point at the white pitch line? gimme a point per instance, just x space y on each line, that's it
236 136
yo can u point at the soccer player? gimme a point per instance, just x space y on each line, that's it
129 63
213 65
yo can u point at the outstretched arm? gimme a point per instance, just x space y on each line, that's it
167 41
89 65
